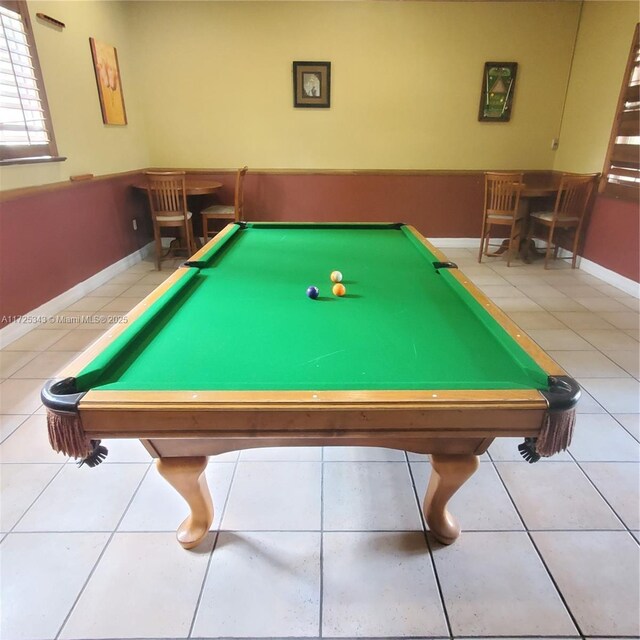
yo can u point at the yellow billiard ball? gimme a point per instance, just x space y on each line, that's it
336 276
339 289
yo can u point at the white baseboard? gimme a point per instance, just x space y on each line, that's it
33 318
610 277
458 243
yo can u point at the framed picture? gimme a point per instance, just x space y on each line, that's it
496 96
105 64
312 84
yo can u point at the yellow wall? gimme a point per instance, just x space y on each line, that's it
602 48
208 84
215 78
67 68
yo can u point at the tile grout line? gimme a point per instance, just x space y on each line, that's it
541 558
336 638
554 314
213 548
321 536
35 355
348 531
593 484
426 539
101 555
321 585
613 328
587 377
107 464
24 513
240 531
26 417
577 463
625 428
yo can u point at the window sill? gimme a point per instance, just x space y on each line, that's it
35 160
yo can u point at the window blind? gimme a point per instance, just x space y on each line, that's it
621 174
25 128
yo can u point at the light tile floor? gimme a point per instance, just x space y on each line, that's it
331 542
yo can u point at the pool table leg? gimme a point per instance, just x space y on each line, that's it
186 476
448 473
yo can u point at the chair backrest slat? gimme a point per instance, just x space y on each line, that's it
167 193
502 193
573 196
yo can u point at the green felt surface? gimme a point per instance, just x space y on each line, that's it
244 321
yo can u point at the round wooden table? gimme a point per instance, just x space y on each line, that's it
533 189
194 186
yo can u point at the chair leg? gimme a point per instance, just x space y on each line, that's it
209 233
188 242
514 241
514 248
482 237
559 235
484 242
190 239
529 242
158 241
510 247
575 251
548 252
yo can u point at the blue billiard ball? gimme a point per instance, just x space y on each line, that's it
313 292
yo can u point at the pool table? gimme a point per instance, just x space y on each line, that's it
230 353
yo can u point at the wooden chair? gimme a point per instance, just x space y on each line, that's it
567 216
224 212
168 203
502 208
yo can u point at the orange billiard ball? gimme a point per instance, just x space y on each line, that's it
339 289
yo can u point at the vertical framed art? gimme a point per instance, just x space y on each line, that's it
107 70
312 85
496 96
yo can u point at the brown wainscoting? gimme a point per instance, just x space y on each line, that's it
56 236
612 239
439 204
21 192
